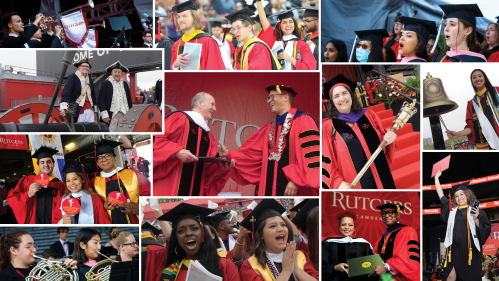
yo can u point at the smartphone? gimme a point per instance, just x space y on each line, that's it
475 205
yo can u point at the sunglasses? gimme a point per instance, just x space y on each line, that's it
364 46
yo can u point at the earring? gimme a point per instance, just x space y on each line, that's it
176 251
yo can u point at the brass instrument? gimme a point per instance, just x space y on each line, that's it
101 274
103 24
47 270
405 113
44 23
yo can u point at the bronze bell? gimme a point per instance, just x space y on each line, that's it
435 100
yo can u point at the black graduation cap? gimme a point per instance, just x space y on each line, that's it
244 14
268 208
458 187
72 166
300 220
374 35
106 146
281 88
115 65
187 5
215 220
150 227
396 207
497 19
310 12
297 208
467 12
184 211
281 15
44 152
340 78
256 19
84 60
421 27
216 24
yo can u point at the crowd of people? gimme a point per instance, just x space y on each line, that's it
32 201
418 40
268 245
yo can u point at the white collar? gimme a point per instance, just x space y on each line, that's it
276 257
77 194
112 173
13 35
62 242
198 119
288 37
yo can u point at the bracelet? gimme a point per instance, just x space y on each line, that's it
240 244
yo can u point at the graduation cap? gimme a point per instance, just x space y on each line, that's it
44 152
244 14
300 220
297 208
187 5
84 60
215 220
268 208
117 65
339 79
216 24
421 27
284 14
280 89
72 166
467 12
497 19
256 19
455 189
151 228
310 12
106 146
374 35
391 206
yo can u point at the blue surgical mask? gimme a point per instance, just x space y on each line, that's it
362 54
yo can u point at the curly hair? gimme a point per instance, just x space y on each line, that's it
470 198
332 112
348 214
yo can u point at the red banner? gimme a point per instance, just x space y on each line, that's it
13 142
368 223
484 205
472 182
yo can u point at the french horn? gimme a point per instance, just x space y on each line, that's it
98 272
47 270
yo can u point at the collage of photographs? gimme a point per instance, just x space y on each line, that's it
249 140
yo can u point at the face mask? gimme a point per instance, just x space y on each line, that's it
362 54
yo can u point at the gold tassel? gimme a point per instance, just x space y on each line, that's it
469 241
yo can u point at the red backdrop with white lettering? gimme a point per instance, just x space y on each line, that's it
13 142
363 203
241 106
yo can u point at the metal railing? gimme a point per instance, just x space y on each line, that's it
393 89
17 102
26 71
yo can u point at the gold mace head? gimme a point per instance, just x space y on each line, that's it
406 112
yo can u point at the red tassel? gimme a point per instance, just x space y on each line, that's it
279 27
202 231
302 34
225 31
174 27
85 176
159 27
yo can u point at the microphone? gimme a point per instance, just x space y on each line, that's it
278 52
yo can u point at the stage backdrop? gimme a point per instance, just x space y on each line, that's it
241 106
368 223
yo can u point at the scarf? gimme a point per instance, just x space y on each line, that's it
118 89
483 123
289 49
453 53
85 89
86 214
351 117
450 232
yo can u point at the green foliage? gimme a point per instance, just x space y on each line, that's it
413 82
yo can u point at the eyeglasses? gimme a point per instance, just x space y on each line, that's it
106 156
399 23
31 245
237 28
386 213
133 244
271 97
364 46
148 36
309 21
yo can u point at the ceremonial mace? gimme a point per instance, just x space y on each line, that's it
405 113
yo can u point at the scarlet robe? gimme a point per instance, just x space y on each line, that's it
251 270
371 90
173 273
153 257
399 248
211 58
171 176
131 183
394 45
470 118
307 62
100 214
259 57
494 57
345 153
27 210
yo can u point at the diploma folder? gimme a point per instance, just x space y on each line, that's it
363 266
212 159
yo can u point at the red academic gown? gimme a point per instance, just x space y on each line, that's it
299 162
394 47
400 250
307 62
259 58
471 125
494 57
252 271
211 59
229 271
100 214
25 208
153 256
371 91
342 158
172 177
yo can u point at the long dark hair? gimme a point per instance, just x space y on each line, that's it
313 236
421 48
390 54
215 233
208 254
84 235
260 245
375 55
342 50
278 32
488 85
332 112
11 239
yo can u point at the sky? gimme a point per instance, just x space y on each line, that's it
457 84
27 59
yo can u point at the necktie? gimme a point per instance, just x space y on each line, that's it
65 246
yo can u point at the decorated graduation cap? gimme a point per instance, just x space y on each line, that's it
44 152
215 220
300 220
187 211
84 60
268 208
72 166
338 80
116 65
310 11
467 12
300 205
106 146
391 206
282 89
151 228
421 27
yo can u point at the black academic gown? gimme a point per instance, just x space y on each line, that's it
459 247
14 274
167 44
23 38
158 92
47 41
334 253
